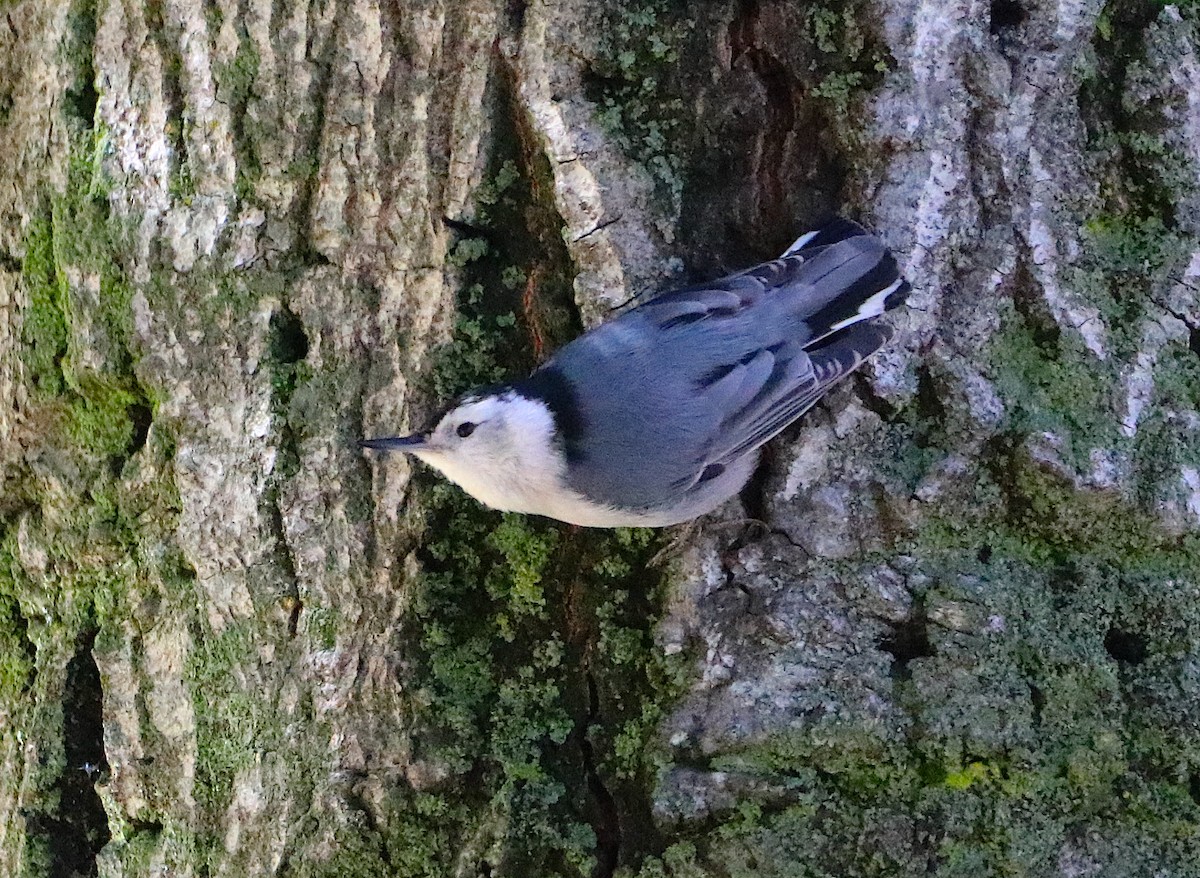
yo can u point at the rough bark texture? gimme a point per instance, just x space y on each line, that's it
964 638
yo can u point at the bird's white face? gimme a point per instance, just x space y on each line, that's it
500 450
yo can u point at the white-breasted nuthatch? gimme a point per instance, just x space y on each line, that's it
658 415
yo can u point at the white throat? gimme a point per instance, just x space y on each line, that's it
514 464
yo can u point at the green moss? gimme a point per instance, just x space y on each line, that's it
849 61
230 728
235 77
525 553
855 762
631 85
968 775
1161 448
519 268
36 857
100 421
1049 708
1051 520
43 325
16 661
996 816
470 359
677 861
137 851
1124 257
1133 244
1050 383
473 606
359 851
91 408
527 715
235 80
1139 171
322 623
1177 381
1124 248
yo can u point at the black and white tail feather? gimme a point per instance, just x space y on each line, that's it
843 332
867 295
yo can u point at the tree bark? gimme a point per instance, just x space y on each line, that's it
961 635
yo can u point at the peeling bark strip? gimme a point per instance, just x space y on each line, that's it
969 630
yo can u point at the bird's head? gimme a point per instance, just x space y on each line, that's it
498 445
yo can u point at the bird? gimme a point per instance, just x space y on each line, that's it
658 415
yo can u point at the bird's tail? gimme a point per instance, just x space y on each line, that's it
846 276
837 229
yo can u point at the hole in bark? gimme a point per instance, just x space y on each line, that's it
985 554
909 640
8 262
1194 787
1194 340
83 709
515 10
1030 305
142 417
771 161
1125 646
75 832
931 413
1006 14
82 100
294 608
289 342
754 494
872 400
1037 698
468 230
81 97
152 827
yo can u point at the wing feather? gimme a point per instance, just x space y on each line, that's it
779 402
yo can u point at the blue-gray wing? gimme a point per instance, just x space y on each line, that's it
641 439
797 381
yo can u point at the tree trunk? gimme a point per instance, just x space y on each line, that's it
962 635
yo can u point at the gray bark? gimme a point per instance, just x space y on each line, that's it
963 638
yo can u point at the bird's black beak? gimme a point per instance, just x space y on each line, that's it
415 442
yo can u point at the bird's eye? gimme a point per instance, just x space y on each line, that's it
465 429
